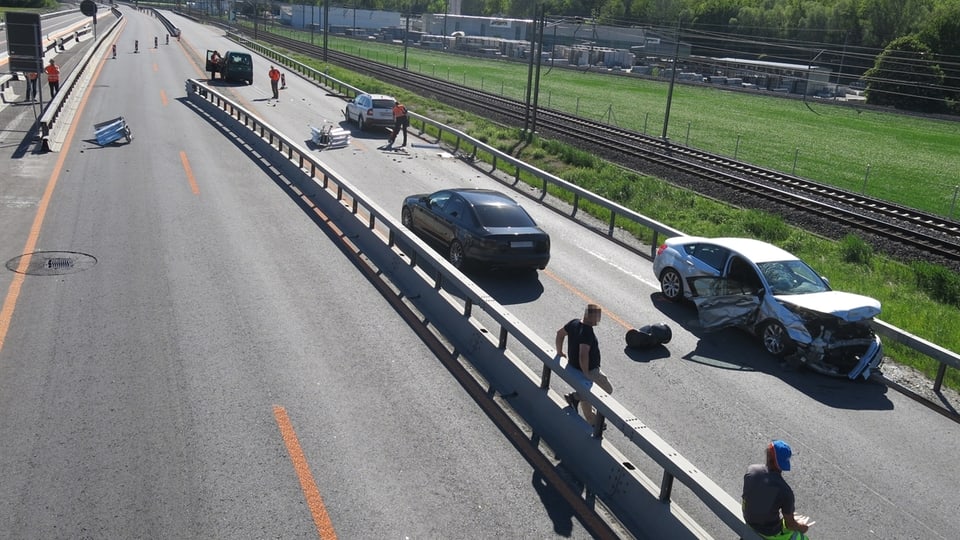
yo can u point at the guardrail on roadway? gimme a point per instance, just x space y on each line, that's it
425 280
464 143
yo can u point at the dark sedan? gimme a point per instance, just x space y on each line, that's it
478 226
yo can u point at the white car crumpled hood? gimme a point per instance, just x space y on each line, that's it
843 305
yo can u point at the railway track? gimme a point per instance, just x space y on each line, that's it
912 231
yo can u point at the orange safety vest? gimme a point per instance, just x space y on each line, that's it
53 73
274 74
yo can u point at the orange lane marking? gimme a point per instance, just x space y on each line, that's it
13 292
163 98
320 517
156 67
190 178
606 313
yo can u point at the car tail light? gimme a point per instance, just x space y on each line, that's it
369 112
661 248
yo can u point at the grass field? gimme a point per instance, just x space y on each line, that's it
832 140
909 160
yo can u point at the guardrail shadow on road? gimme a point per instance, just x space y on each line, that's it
419 277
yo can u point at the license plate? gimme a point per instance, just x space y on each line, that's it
522 244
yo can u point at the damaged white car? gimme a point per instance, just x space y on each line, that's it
776 296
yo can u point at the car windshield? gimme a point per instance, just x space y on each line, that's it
503 215
792 277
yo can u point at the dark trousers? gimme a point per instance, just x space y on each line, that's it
31 89
400 125
276 91
54 87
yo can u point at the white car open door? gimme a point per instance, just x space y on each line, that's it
722 302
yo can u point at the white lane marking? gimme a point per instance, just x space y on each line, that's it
634 275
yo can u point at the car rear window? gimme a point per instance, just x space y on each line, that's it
383 104
502 215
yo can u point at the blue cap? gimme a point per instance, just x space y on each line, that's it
783 453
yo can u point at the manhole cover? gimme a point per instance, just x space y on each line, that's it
51 263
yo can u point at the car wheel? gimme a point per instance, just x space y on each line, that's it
360 123
406 217
775 339
456 255
671 285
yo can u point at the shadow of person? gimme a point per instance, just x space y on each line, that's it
559 511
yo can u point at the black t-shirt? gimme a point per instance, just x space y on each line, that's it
578 333
766 496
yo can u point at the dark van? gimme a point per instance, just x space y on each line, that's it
233 66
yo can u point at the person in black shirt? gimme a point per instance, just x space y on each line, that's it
583 353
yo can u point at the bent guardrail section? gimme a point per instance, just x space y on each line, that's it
452 304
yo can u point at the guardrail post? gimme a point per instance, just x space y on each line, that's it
938 382
666 487
545 377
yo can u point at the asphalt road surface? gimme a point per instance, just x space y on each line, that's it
215 365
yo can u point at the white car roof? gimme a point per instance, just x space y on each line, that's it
754 250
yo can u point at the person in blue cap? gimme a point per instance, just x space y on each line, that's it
768 501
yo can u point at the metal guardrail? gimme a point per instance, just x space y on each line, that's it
944 357
606 473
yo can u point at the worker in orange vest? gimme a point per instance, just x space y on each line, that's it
53 77
400 123
275 81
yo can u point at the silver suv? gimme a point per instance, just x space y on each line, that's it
370 110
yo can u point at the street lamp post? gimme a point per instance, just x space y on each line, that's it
673 78
326 27
446 7
536 84
526 108
406 33
533 83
